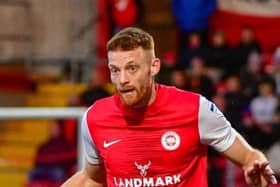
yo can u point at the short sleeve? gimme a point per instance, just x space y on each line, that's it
214 129
91 152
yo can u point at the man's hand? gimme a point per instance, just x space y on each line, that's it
259 174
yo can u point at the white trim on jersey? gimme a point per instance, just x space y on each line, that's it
91 151
214 129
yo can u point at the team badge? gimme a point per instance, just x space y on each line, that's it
170 140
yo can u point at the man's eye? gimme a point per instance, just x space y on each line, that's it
114 71
132 69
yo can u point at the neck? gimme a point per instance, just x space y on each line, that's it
150 98
153 94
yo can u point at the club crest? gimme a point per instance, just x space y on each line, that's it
170 140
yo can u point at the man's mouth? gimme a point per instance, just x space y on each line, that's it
126 91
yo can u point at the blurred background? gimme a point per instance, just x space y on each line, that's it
53 66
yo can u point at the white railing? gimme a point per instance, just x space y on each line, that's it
7 113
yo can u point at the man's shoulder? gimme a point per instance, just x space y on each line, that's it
178 94
176 100
101 106
176 106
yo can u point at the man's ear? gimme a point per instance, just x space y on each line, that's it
155 66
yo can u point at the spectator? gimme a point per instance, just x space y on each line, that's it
274 69
55 158
218 54
179 79
262 110
124 13
251 75
235 102
192 16
192 28
167 66
194 47
247 44
96 89
198 79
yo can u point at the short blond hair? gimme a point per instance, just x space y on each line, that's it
131 38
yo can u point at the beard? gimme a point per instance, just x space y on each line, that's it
136 97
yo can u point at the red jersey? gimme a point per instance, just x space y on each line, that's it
160 145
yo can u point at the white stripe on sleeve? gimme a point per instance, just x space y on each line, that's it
214 129
91 151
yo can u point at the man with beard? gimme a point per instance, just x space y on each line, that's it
149 134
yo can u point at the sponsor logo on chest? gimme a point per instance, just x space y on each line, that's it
143 181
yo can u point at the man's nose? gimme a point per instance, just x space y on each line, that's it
123 78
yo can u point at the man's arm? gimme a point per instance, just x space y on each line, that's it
90 176
256 168
216 131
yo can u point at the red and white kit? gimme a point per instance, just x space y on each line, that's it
164 144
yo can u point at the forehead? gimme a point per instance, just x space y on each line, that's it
120 57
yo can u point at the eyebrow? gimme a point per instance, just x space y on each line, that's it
127 64
130 62
112 65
